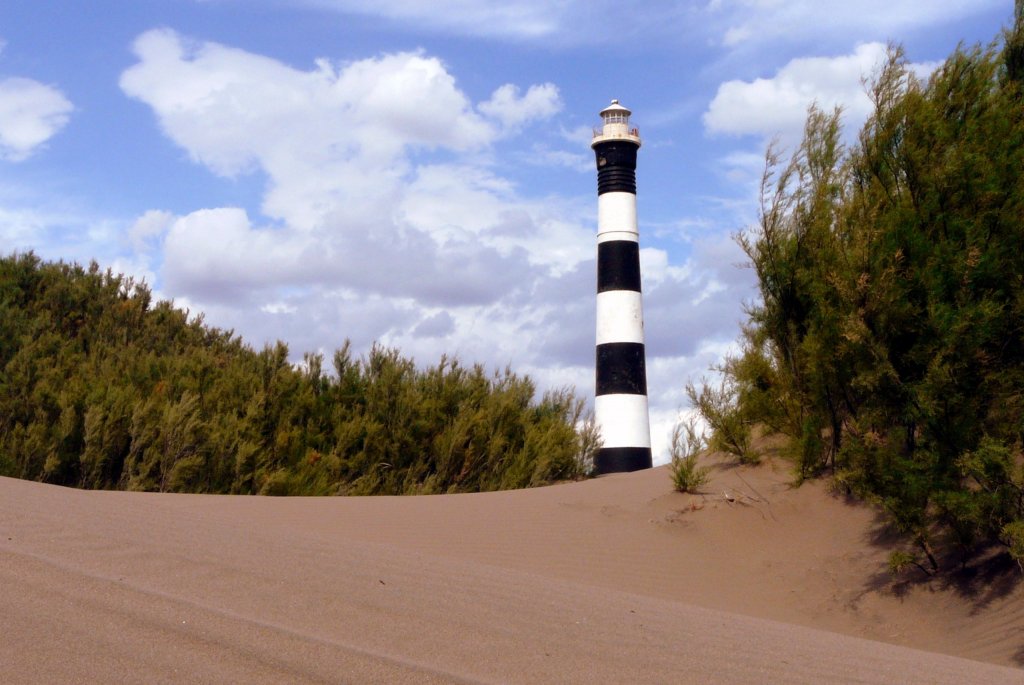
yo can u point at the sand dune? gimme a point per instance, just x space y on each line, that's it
618 579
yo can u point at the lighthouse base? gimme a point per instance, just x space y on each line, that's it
622 459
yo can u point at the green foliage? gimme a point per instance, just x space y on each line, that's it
888 343
1013 538
101 388
727 418
901 560
687 444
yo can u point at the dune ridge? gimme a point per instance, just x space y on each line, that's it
612 580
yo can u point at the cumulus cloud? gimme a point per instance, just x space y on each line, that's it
513 110
777 106
30 114
435 325
148 228
686 306
320 136
347 209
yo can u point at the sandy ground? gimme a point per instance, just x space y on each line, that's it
615 580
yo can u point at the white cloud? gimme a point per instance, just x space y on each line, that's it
215 253
321 136
55 228
513 111
278 308
435 325
578 136
542 156
777 106
747 23
521 18
553 23
30 114
685 306
349 209
669 402
775 110
147 228
19 225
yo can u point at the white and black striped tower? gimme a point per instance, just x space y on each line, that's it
620 405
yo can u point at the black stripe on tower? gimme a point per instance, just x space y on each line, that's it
616 166
621 369
618 265
622 459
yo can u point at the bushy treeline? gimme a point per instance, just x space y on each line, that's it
889 340
102 388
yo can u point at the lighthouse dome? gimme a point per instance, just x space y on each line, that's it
615 126
615 113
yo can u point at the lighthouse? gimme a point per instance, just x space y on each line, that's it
620 402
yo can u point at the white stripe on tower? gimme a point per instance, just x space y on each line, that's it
620 317
616 217
620 404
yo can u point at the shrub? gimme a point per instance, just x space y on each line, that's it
687 444
730 429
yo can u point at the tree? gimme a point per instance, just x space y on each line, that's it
888 344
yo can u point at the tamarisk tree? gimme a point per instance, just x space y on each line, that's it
888 342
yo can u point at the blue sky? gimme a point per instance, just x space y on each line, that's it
420 173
